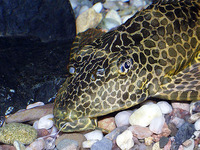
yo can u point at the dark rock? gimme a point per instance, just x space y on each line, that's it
30 71
173 129
48 20
163 141
104 144
34 48
184 132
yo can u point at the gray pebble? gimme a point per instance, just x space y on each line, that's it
185 132
113 135
67 144
163 141
104 144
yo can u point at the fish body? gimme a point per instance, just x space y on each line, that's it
156 53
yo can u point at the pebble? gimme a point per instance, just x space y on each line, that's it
88 19
42 132
80 138
30 114
104 144
38 144
165 107
7 147
195 107
194 117
184 106
113 14
113 135
145 114
148 141
197 124
140 132
184 132
74 3
111 5
94 135
125 140
156 146
18 145
98 7
89 143
83 9
156 124
46 122
67 144
50 143
17 131
122 118
138 3
107 124
177 121
35 105
188 144
173 129
163 141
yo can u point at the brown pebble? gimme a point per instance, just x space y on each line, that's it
173 129
107 124
30 114
140 132
42 132
165 132
7 147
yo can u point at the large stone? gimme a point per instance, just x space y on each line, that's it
88 19
17 132
35 39
145 114
48 20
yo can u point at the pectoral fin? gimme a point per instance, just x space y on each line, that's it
183 86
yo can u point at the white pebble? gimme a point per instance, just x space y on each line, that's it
125 140
83 9
54 130
109 24
46 122
112 14
125 18
94 135
165 107
35 124
34 105
110 5
122 118
98 7
156 124
38 144
74 3
89 143
18 145
145 114
138 3
197 124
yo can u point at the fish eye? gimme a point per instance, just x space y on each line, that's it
72 70
125 66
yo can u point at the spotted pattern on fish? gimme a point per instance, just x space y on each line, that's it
156 53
